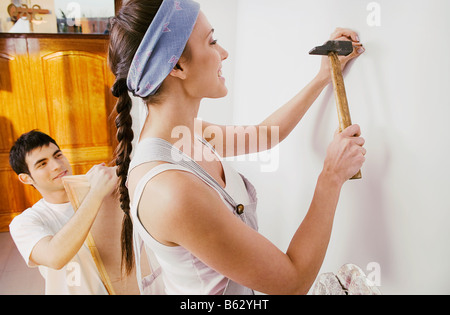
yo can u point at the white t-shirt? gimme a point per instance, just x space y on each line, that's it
80 275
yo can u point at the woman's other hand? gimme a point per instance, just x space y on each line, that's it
358 49
345 155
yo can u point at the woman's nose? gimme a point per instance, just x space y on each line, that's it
223 53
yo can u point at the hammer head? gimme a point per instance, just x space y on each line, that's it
341 47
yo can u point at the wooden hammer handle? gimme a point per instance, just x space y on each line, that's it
345 120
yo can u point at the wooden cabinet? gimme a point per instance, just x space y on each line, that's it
61 86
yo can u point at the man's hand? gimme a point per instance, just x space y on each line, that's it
103 179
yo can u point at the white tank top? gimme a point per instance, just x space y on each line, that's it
174 269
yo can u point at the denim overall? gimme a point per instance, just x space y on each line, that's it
159 150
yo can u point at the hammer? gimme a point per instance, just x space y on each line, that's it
332 49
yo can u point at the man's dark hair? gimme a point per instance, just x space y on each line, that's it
24 145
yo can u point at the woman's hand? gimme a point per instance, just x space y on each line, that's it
358 49
345 155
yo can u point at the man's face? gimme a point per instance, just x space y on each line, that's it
47 165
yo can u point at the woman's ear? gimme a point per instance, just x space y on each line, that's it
178 72
26 179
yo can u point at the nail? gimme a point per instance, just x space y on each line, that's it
361 50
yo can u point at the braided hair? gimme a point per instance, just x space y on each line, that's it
128 28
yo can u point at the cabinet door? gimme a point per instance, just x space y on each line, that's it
17 115
73 84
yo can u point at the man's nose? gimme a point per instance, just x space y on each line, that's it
55 164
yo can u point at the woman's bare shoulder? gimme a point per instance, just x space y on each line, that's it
173 200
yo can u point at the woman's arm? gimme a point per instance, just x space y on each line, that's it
288 116
283 120
179 209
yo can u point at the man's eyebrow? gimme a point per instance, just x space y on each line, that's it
57 152
40 161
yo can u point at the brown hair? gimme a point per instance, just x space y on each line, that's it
128 28
24 145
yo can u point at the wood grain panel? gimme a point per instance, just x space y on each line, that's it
17 114
75 86
80 97
16 99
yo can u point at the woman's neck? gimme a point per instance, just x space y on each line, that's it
170 118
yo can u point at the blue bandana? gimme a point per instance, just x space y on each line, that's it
162 46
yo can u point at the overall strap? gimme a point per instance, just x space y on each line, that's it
159 150
147 177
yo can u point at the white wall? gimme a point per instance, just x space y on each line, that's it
222 15
398 215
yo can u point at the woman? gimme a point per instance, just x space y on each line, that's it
195 213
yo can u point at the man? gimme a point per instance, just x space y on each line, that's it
50 234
